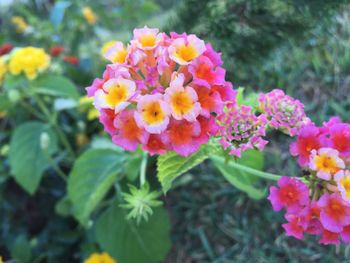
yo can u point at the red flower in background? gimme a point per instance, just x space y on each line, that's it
5 48
55 51
71 59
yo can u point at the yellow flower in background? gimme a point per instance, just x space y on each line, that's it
89 15
3 70
106 46
1 260
29 60
20 24
100 258
92 112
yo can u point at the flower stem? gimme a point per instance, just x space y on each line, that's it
235 165
51 118
143 169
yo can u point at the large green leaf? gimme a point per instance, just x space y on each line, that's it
130 243
28 159
55 85
93 174
239 178
172 165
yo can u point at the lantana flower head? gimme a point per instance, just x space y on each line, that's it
241 130
322 153
283 112
155 93
29 60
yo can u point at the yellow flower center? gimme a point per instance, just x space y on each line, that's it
116 95
148 40
326 164
345 182
186 53
120 56
181 103
153 113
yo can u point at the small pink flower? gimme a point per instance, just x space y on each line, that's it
326 162
128 134
147 38
210 101
96 85
340 139
308 140
157 144
214 56
343 181
183 136
208 128
205 74
294 227
183 101
184 50
291 194
329 238
117 53
115 94
311 215
152 113
335 212
107 117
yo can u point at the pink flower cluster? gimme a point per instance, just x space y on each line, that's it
161 92
283 112
240 129
320 204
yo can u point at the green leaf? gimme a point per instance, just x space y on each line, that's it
131 243
21 250
5 102
172 165
92 176
55 85
14 81
242 180
28 160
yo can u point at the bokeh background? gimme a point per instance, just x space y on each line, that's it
300 46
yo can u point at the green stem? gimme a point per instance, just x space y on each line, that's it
52 120
264 175
33 111
143 169
56 167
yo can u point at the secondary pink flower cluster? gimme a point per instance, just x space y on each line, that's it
240 129
161 92
320 204
283 112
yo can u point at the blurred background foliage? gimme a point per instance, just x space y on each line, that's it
301 46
